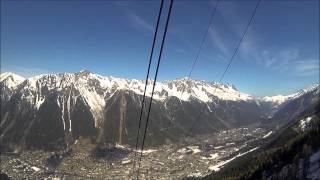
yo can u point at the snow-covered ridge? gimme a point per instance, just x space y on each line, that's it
95 88
279 99
184 88
11 80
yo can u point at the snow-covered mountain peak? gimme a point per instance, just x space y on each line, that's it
183 88
309 89
5 75
83 73
204 91
192 82
11 80
94 91
280 99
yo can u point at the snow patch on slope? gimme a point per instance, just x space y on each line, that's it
218 166
267 135
95 101
305 123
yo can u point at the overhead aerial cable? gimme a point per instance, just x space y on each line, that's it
203 40
235 51
204 37
154 84
146 83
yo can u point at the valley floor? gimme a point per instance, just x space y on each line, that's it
200 157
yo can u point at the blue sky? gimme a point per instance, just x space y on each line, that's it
279 55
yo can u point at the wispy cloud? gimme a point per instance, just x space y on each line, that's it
307 68
139 23
218 41
286 59
279 59
224 40
135 20
228 11
276 59
180 50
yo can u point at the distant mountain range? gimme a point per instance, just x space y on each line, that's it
53 110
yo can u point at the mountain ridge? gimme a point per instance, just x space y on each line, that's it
56 109
182 82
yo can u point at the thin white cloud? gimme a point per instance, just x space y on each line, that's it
228 11
218 41
180 50
286 60
139 23
180 35
236 25
280 59
307 68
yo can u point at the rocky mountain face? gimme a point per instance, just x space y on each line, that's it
8 82
306 101
52 111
